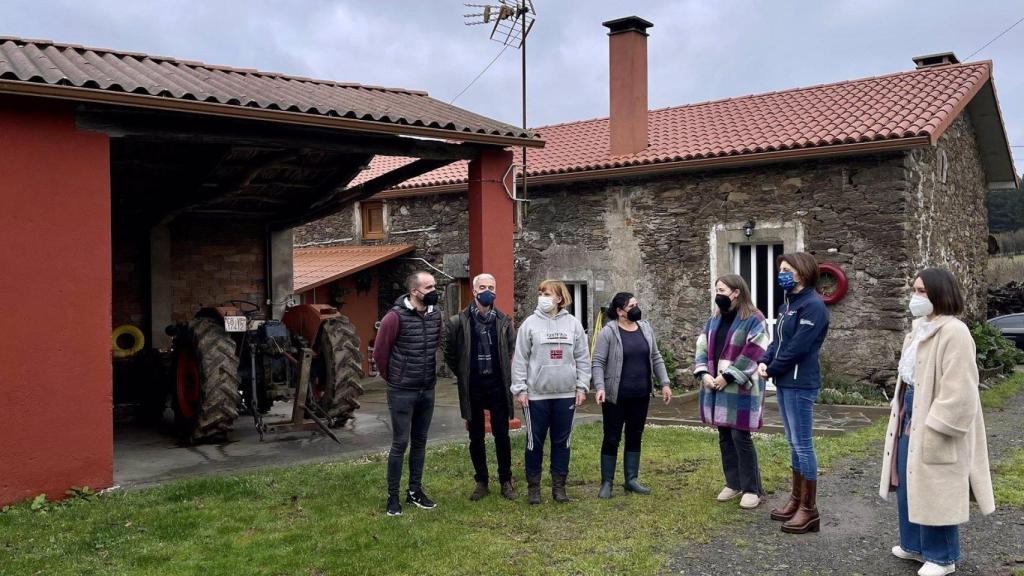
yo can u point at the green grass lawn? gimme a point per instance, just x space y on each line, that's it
329 518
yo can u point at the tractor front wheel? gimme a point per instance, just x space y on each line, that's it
336 386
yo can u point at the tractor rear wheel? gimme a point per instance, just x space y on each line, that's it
207 384
337 388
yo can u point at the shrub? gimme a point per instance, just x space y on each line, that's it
671 364
838 388
995 351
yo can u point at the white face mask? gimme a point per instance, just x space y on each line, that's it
545 303
920 306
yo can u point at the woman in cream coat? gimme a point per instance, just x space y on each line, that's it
936 456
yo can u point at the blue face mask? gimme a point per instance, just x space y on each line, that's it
485 298
786 280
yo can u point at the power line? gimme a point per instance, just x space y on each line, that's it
468 86
994 39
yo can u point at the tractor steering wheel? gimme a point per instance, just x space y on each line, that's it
253 307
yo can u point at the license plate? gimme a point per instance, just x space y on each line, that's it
234 323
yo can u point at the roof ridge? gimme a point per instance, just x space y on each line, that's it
981 63
200 64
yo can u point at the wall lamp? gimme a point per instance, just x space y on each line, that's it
748 228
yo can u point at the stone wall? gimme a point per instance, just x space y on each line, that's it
335 230
947 223
879 217
438 225
653 237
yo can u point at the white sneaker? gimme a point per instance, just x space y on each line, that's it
899 552
727 494
750 500
932 569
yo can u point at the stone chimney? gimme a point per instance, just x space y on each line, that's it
627 44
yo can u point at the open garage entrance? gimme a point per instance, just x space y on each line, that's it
174 186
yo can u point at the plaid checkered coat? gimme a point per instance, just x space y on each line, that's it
739 405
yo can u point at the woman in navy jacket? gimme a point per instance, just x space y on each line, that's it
792 361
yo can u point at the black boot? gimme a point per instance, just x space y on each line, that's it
631 464
607 475
533 489
558 488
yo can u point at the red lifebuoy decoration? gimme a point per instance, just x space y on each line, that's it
832 283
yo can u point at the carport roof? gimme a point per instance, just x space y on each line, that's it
46 68
314 267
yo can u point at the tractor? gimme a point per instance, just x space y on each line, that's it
230 360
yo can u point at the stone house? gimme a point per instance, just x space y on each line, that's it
877 177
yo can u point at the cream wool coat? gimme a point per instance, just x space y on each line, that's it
947 458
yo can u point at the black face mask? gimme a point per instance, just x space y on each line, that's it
723 302
430 298
634 314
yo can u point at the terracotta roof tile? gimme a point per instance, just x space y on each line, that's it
314 267
903 105
45 62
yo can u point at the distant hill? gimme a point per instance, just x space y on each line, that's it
1005 211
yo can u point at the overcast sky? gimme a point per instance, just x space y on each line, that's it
697 51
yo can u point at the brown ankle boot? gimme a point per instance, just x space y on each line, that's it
480 491
806 518
533 489
787 510
558 489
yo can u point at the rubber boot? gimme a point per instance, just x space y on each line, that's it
631 465
558 488
607 476
533 489
806 518
787 510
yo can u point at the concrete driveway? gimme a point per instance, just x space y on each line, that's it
148 456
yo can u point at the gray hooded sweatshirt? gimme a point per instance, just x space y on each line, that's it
552 359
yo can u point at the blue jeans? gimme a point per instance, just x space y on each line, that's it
796 405
544 415
937 544
411 412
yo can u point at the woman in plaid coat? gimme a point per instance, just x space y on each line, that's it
732 393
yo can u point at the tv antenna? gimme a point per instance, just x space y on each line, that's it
511 22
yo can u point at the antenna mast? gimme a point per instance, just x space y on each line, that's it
513 20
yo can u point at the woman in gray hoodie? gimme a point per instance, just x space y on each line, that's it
626 365
550 378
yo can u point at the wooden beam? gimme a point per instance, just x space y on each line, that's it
237 187
336 201
178 127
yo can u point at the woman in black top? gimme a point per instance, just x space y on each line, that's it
625 358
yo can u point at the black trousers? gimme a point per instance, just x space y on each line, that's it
630 413
411 412
739 460
493 399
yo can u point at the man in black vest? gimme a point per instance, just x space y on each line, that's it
405 352
480 345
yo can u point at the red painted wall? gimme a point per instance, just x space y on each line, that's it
361 308
492 224
56 427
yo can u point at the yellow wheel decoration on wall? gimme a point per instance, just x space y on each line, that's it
127 341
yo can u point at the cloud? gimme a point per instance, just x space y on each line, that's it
698 50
